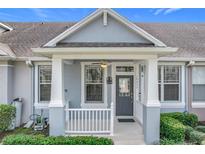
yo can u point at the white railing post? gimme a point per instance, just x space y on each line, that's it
112 119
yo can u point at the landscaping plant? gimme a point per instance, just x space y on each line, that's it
22 139
7 114
172 129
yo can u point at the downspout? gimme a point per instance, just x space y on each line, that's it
189 84
30 64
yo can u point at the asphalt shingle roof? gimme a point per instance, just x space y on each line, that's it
188 37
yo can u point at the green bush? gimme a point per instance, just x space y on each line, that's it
188 119
196 137
22 139
166 141
7 114
172 129
188 131
200 128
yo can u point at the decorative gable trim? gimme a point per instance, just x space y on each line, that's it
97 13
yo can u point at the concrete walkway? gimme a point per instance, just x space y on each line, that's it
128 133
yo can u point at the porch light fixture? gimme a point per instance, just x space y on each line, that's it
103 65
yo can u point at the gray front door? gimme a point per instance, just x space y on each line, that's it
124 95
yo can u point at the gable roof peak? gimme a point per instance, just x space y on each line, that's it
96 14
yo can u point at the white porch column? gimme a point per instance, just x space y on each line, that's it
56 106
151 108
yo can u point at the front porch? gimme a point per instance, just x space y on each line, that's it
79 117
128 133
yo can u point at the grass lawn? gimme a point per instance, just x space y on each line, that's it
21 130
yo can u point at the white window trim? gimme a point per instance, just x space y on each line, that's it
37 104
93 105
197 104
182 92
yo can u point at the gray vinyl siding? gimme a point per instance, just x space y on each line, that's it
22 87
72 81
6 82
97 32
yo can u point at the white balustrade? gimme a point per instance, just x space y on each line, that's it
89 121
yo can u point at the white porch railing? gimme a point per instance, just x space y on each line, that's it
89 121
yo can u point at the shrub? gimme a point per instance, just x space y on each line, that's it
200 128
7 114
188 130
21 139
172 129
188 119
166 141
196 137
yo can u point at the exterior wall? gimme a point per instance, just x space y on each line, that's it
6 82
97 32
22 87
72 81
72 78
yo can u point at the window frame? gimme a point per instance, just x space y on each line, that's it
93 104
182 94
196 104
37 102
90 83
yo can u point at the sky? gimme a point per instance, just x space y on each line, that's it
76 14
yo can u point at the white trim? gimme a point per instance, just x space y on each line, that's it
198 104
198 64
5 26
114 73
171 59
182 83
38 104
6 65
41 105
156 104
97 13
93 105
105 50
173 105
105 18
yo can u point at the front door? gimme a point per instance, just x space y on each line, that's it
124 95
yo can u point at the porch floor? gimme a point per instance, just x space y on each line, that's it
128 133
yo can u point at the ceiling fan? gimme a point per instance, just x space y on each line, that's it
102 64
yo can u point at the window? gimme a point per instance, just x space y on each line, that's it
44 83
169 83
94 84
124 87
125 69
198 83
